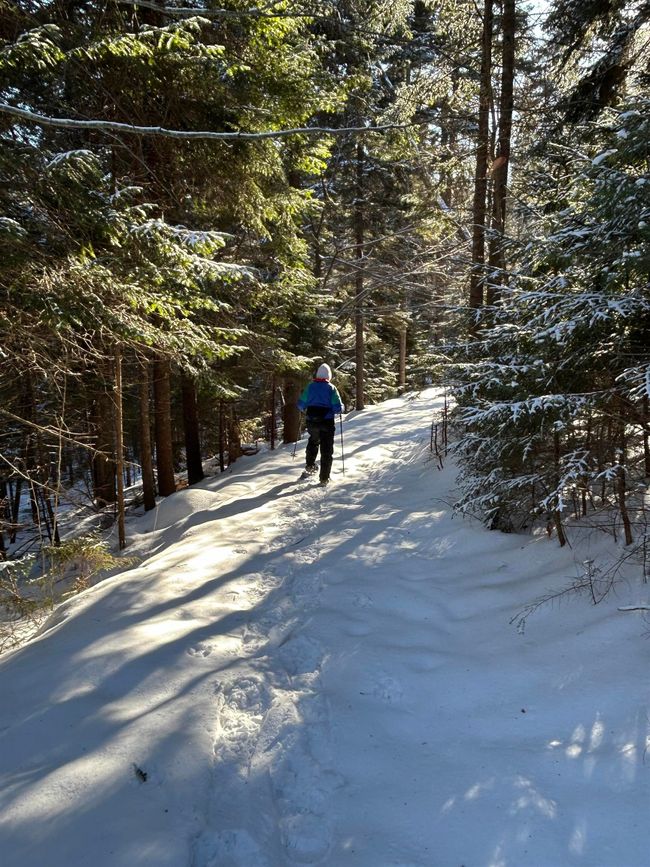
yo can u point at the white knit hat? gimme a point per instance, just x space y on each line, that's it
324 372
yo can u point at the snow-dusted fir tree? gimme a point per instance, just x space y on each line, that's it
554 394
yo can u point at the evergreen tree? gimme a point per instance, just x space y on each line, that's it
556 403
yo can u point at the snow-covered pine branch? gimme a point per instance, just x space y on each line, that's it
110 126
190 11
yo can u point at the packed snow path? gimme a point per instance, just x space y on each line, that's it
296 675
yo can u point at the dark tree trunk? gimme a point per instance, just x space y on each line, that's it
29 454
477 277
646 435
119 451
502 161
191 431
557 515
318 259
621 479
4 517
70 472
401 378
222 438
15 510
103 463
146 456
291 413
273 421
234 437
163 427
358 280
47 480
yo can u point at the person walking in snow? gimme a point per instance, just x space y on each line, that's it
320 401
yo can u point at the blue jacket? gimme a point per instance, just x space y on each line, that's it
321 394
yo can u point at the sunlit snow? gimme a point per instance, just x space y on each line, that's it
296 675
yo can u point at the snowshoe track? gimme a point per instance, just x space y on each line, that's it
272 726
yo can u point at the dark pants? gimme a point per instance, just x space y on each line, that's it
321 433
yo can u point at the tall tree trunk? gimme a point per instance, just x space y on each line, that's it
44 476
318 258
621 478
222 438
273 421
401 383
15 510
477 276
103 464
191 431
234 437
163 426
646 434
29 454
290 411
119 450
4 517
358 280
557 515
502 161
146 456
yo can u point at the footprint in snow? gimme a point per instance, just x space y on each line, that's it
230 848
361 600
387 689
241 709
200 650
306 588
305 837
253 588
301 655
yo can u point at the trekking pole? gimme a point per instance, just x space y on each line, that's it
342 452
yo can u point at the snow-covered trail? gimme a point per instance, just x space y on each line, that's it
304 676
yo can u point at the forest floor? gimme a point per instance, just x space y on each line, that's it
296 675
